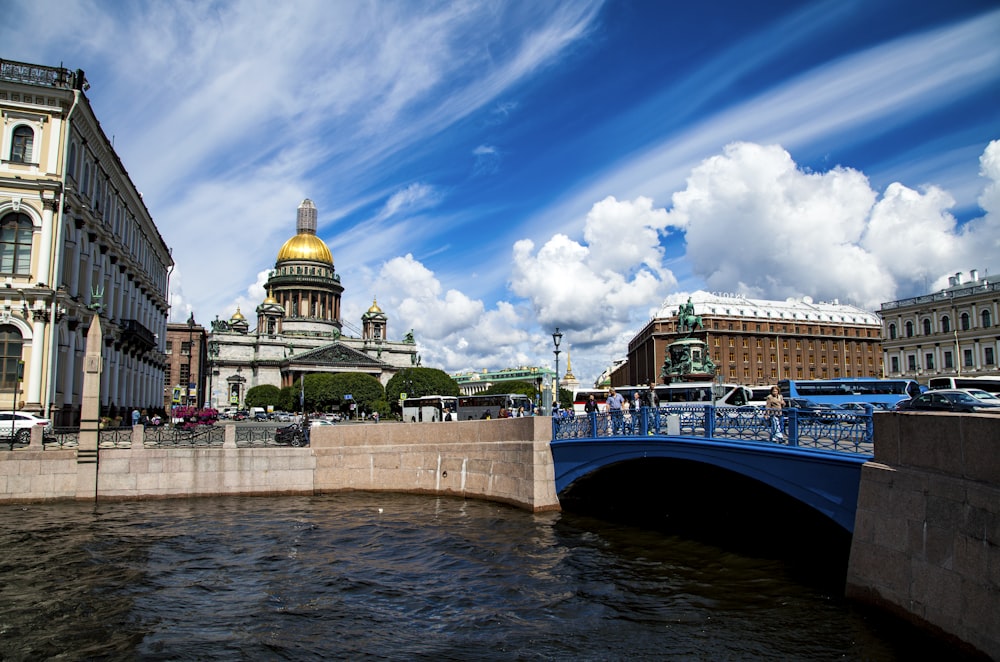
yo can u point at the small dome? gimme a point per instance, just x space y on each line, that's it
304 246
270 298
237 315
374 308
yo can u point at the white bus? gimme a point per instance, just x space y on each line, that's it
733 395
990 384
428 409
473 407
580 399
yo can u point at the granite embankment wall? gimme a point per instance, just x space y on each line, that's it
502 460
926 540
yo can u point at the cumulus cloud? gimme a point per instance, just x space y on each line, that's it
757 223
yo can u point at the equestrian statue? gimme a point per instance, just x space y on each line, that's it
686 319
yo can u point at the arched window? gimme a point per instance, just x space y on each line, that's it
927 327
946 324
965 321
909 329
22 140
10 354
987 319
892 332
15 244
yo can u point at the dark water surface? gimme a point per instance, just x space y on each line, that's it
401 577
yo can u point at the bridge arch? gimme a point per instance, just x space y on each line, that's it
827 481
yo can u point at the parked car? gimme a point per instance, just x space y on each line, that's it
17 425
291 435
948 400
815 412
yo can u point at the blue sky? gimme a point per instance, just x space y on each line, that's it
492 170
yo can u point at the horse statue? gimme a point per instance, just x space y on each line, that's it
686 319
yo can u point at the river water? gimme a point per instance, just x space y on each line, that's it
404 577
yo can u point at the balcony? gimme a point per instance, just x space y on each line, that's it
135 338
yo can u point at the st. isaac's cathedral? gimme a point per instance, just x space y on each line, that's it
298 329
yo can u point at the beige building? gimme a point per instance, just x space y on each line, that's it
950 333
75 239
298 330
758 342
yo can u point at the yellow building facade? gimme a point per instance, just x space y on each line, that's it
76 240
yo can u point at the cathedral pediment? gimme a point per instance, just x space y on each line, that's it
337 354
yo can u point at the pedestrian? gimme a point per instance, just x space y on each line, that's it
637 404
774 404
135 417
653 402
590 406
614 407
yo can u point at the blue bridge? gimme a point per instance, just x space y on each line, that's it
816 460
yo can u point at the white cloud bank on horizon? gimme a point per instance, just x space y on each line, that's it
754 223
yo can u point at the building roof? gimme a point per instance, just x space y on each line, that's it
737 305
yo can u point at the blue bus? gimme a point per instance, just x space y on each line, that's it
842 390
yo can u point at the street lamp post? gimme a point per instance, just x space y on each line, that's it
187 387
556 339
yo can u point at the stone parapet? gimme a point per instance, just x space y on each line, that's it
501 460
506 460
927 532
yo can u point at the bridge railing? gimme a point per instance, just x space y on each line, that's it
847 431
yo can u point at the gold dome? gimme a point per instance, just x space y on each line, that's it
237 315
374 308
305 246
270 297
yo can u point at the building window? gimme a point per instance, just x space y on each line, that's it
185 349
15 244
988 357
965 321
169 348
949 361
23 138
911 363
892 332
929 361
10 355
927 327
967 358
986 319
894 362
909 329
945 324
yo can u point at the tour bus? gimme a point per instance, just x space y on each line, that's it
580 399
841 390
472 407
989 384
428 409
700 393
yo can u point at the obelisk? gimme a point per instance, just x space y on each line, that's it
86 452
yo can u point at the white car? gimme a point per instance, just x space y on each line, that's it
18 425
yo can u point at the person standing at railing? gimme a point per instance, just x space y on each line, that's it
614 407
653 402
774 404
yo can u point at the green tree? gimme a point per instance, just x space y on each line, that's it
326 391
417 382
565 398
264 395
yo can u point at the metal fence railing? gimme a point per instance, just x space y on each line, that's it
848 431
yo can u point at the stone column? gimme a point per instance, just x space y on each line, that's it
38 327
86 454
45 254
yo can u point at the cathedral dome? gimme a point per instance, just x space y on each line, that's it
305 246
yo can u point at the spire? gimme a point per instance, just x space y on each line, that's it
306 221
569 366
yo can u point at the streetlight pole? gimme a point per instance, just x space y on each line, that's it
187 386
556 339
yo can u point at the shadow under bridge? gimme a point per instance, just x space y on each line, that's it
827 481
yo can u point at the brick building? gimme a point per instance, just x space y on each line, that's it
755 341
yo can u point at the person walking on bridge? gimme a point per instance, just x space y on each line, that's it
614 405
774 404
